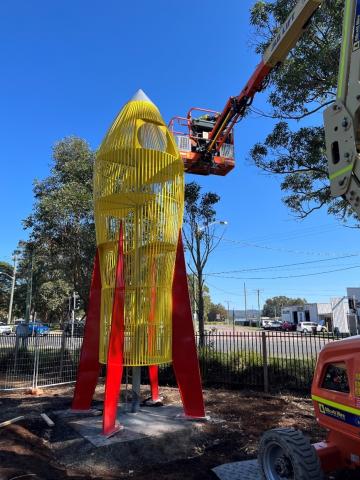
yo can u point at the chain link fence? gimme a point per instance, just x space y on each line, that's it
265 360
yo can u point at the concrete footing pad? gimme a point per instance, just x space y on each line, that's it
144 424
70 413
248 470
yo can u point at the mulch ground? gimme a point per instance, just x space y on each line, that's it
29 449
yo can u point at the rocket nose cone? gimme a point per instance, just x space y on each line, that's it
140 95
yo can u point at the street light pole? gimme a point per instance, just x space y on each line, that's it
215 222
228 311
12 290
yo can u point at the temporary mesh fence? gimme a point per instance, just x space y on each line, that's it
264 360
37 361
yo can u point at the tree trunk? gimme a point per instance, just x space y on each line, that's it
201 310
200 291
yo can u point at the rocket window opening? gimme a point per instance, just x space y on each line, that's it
151 137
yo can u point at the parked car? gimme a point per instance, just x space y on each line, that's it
273 325
5 329
321 328
307 327
37 328
288 326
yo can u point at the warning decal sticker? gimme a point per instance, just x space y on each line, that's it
341 415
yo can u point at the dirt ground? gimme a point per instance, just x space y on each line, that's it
29 449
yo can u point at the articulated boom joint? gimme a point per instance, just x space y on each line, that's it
239 104
342 118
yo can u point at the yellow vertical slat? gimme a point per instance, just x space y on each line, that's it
139 180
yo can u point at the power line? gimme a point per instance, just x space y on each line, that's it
294 234
283 265
288 276
225 291
244 243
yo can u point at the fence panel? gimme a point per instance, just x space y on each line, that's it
254 359
38 361
261 359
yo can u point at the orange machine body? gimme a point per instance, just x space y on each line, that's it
336 396
192 135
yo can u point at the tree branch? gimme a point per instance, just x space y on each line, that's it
290 117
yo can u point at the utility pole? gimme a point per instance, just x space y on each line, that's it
12 289
259 314
245 303
73 314
29 291
228 310
74 298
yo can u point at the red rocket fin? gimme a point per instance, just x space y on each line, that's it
89 367
154 382
185 360
115 358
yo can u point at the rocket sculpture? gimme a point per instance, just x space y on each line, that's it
139 309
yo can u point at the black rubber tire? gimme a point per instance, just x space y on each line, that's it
294 450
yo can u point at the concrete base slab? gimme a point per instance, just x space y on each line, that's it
92 412
146 423
248 470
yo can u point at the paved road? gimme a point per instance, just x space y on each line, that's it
278 344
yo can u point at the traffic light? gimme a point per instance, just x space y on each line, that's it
78 303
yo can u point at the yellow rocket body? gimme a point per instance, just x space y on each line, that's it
139 181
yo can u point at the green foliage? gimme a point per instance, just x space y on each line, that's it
199 209
62 241
272 306
6 272
200 240
303 85
51 295
217 313
308 77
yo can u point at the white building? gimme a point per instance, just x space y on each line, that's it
342 313
348 319
309 312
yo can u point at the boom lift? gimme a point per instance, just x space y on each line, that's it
206 142
206 146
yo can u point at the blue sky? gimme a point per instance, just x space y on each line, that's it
67 69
